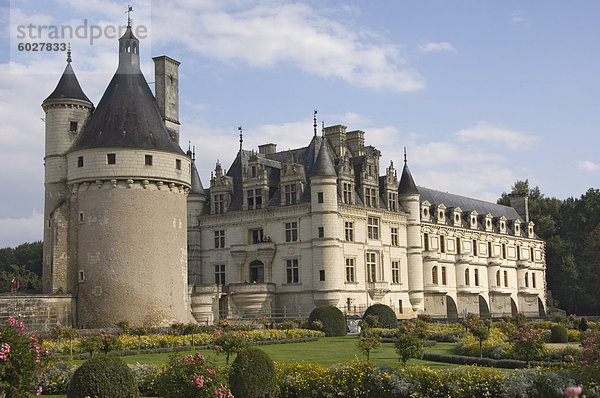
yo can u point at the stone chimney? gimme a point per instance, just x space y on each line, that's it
356 142
166 86
267 149
521 204
336 136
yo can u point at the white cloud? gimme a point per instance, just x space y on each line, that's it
483 131
517 17
586 165
270 33
14 231
437 47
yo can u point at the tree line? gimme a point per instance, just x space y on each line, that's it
23 263
571 229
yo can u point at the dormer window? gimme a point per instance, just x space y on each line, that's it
290 194
253 171
347 192
502 225
441 214
457 217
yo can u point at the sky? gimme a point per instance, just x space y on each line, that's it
481 93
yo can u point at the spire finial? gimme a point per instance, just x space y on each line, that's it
241 137
194 153
322 128
404 155
129 11
315 122
69 53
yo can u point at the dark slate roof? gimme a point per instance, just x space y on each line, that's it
407 184
127 116
196 182
467 204
68 86
324 164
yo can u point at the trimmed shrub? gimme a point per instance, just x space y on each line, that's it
104 376
332 320
386 315
253 375
559 334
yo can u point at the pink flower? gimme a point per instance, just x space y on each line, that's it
39 391
573 391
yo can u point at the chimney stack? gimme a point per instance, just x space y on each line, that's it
166 91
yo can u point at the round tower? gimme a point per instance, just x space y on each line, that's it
327 275
129 181
409 196
67 110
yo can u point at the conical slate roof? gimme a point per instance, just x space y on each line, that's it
407 185
127 116
324 164
68 86
196 183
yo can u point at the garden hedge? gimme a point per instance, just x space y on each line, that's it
386 315
333 320
103 376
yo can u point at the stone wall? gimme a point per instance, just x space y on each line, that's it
39 313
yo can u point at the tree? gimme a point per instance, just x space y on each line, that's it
27 279
368 343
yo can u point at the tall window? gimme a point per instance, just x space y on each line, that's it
426 241
392 201
394 236
80 161
434 275
467 277
533 280
291 231
442 244
111 158
347 192
319 197
290 194
458 246
371 266
395 271
476 275
321 231
444 279
497 278
489 249
370 197
506 278
256 235
350 270
349 231
518 252
254 197
373 228
504 250
178 164
292 270
474 248
219 204
220 239
531 254
148 160
526 280
220 274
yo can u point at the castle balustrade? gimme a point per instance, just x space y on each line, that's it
378 290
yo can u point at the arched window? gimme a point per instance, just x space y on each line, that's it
467 279
526 280
498 278
434 275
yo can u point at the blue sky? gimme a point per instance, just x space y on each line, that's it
481 93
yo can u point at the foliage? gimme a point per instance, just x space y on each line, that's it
20 359
495 346
123 324
408 346
231 342
559 334
416 328
366 344
591 348
146 376
386 315
369 322
55 379
65 332
528 344
191 376
103 376
28 280
253 375
333 320
28 255
478 328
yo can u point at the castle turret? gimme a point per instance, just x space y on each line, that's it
324 208
129 179
196 200
408 195
67 110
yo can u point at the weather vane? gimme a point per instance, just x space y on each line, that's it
129 11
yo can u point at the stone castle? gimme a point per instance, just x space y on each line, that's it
131 233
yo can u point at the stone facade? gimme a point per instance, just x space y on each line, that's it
39 313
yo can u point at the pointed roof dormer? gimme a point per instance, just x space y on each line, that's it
407 185
324 164
127 116
68 85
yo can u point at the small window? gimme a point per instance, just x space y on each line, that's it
350 270
505 278
320 197
533 280
489 249
476 274
526 277
444 279
532 254
322 275
426 242
442 244
395 271
504 251
349 231
458 247
400 306
425 212
434 275
148 160
81 277
474 247
73 126
111 158
467 277
178 164
80 161
81 217
321 232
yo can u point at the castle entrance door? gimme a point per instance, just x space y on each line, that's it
257 272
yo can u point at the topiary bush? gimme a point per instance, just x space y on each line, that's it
559 334
331 318
386 315
104 376
253 375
